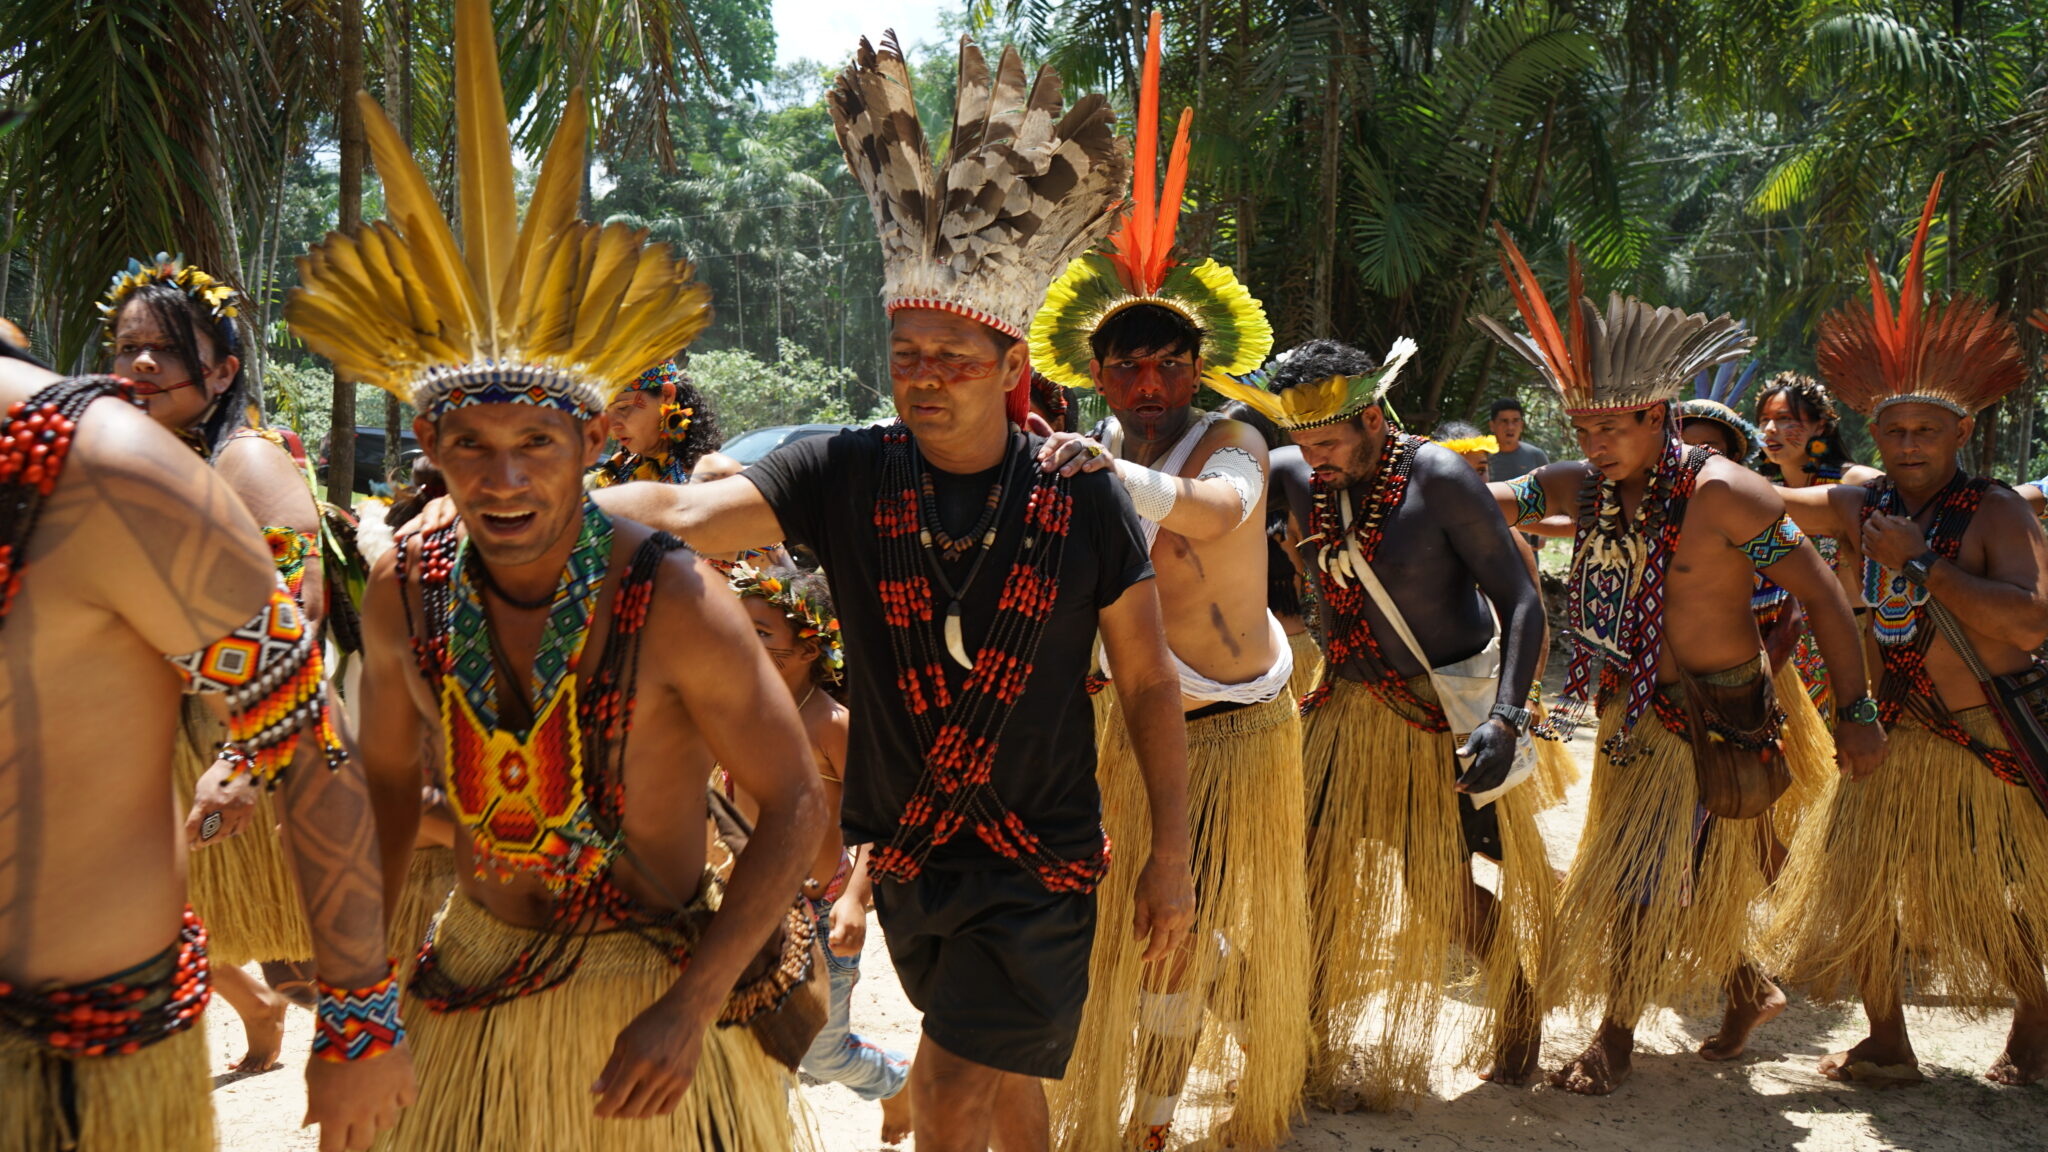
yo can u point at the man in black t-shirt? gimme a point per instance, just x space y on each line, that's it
970 585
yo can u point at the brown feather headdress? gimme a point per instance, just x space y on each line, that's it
1962 355
1634 356
1024 189
553 311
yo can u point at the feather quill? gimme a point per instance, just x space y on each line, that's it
490 212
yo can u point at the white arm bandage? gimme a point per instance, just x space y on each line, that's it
1243 472
1152 493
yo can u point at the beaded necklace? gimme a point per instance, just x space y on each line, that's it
961 729
1615 616
1908 688
35 441
942 549
1344 542
568 624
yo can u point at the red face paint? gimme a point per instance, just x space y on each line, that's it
1148 392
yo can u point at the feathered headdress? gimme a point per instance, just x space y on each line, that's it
1138 268
553 311
811 619
220 299
1962 355
1634 356
1023 190
1317 402
1715 392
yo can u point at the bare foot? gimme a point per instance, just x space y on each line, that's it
1515 1064
1748 1010
1873 1061
2025 1059
1602 1067
264 1031
896 1116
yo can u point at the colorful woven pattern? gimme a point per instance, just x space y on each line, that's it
1531 503
357 1023
271 672
1774 543
568 626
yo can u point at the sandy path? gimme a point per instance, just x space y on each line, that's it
1770 1099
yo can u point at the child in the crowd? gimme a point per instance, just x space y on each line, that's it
792 614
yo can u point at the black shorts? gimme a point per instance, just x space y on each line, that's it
1482 827
997 964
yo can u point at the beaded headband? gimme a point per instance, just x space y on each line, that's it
663 380
809 620
1317 402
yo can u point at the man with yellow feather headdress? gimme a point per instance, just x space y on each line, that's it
1412 567
588 985
1143 329
1658 906
1933 867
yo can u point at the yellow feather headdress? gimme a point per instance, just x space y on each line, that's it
554 311
1138 268
1318 402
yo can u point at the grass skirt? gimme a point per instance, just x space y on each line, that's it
1557 770
1389 874
1930 870
1658 906
1308 665
157 1099
516 1078
429 878
1809 754
1248 945
242 887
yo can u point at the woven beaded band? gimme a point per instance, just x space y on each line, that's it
357 1023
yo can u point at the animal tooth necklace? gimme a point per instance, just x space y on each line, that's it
940 548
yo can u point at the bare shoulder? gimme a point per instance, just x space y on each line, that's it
1859 474
1446 476
1233 434
267 479
2004 519
1735 498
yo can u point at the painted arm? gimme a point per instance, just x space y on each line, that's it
1148 689
1542 502
745 714
1750 515
719 518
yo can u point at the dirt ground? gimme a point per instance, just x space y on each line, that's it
1771 1098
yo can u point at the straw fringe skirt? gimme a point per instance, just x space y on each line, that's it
157 1099
1931 870
1809 754
1308 665
1390 915
516 1078
429 878
1658 906
1248 954
242 887
1557 770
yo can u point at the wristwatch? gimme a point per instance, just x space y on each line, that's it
1862 711
1517 718
1917 568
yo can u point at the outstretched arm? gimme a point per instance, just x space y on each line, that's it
721 517
1228 488
732 695
1148 691
1542 502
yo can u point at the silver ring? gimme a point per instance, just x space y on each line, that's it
210 827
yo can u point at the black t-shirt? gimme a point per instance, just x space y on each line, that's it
823 492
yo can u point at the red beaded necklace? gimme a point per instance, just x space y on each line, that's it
961 731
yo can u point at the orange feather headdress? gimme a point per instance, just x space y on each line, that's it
1962 355
1632 357
1137 267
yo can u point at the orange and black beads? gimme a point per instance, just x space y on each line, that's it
121 1014
35 441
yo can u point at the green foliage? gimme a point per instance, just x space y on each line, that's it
795 388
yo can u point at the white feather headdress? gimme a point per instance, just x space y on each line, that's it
1023 190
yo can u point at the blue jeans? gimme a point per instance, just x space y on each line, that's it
837 1055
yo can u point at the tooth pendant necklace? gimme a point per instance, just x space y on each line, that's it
941 549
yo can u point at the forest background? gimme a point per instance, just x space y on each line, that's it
1350 159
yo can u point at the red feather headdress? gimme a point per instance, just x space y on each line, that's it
1962 355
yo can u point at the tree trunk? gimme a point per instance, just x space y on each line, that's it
392 455
341 435
1326 252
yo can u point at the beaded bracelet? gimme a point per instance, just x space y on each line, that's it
357 1023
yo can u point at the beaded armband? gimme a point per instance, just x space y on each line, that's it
1531 503
270 671
1774 543
357 1023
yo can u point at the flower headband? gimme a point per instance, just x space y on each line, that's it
810 623
218 298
